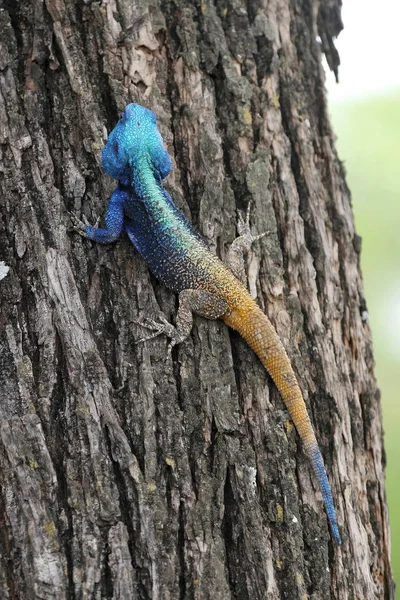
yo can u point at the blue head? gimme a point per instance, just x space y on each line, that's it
134 138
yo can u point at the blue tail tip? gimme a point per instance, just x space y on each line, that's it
319 468
336 535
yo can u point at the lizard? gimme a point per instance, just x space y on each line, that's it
176 253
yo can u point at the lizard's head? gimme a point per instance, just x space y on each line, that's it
135 137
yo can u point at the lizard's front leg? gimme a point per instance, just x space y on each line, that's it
114 220
240 246
200 302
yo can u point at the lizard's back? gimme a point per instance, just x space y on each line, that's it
176 253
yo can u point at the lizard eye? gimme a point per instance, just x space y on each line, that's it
122 116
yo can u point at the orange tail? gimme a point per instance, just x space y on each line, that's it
255 327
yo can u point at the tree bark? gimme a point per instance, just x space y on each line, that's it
123 473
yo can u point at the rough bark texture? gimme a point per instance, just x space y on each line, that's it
124 474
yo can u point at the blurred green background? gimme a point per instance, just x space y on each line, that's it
368 133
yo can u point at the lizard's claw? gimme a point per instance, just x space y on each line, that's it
79 225
241 245
243 227
161 327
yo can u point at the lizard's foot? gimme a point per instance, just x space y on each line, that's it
241 246
161 327
244 231
79 225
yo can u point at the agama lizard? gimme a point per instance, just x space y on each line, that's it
135 155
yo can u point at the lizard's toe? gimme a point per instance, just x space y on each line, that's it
160 327
77 225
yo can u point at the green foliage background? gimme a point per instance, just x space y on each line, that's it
368 142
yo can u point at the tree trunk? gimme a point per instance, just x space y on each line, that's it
125 474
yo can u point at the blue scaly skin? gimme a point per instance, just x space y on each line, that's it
178 256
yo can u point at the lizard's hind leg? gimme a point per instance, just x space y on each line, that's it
201 302
240 246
